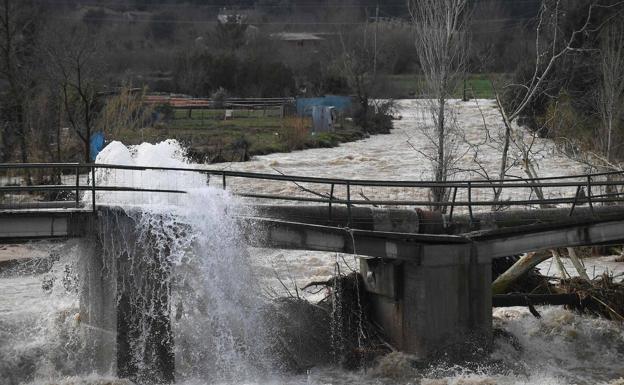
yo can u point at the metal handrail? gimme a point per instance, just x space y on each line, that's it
475 183
586 181
77 188
47 187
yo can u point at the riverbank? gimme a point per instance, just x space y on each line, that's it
210 138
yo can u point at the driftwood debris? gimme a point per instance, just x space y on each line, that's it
602 296
525 286
525 266
336 330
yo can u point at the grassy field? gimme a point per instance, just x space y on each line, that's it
211 138
409 85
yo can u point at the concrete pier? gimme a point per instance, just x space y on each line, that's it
125 301
438 303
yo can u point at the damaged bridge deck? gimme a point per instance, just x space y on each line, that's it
428 274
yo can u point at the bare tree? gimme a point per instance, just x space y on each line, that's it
17 29
75 66
357 63
546 57
440 39
611 89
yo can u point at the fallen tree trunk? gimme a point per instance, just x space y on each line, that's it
521 267
503 283
578 265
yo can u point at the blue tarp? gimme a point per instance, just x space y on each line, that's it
96 144
341 103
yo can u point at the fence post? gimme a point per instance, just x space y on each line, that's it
348 204
93 187
77 186
224 180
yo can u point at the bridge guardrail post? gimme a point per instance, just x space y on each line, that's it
331 197
77 186
348 204
470 203
453 204
93 188
576 197
589 194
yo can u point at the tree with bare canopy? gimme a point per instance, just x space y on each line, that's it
440 39
611 88
17 28
75 66
550 48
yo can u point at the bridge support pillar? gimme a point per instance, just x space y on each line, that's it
125 301
438 304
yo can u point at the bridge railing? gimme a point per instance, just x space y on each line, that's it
465 196
59 185
78 185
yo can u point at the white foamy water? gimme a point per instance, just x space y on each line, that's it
167 154
401 155
218 283
39 328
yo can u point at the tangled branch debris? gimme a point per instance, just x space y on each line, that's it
602 296
337 330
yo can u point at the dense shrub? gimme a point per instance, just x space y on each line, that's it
376 118
295 132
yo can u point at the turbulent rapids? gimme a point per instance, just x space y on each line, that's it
230 324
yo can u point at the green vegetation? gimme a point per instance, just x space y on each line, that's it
211 138
409 85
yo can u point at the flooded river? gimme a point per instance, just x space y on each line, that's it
42 337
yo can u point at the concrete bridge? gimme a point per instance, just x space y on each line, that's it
428 270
